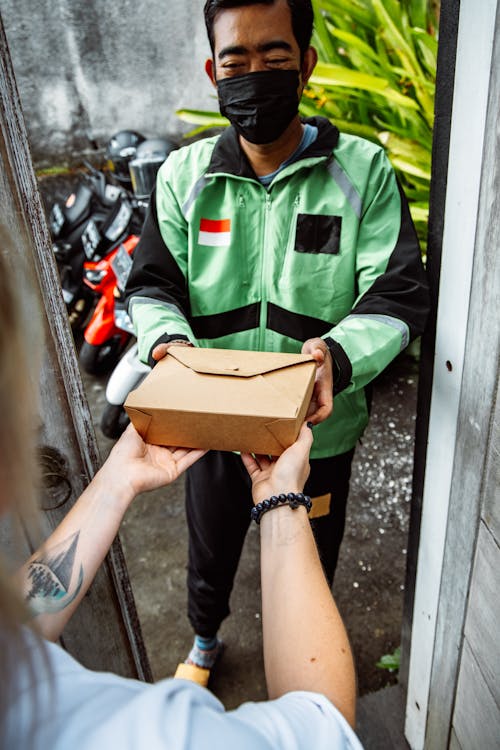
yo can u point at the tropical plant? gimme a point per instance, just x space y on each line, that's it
375 78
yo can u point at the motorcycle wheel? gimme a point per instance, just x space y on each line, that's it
100 359
114 421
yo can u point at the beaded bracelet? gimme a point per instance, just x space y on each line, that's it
275 501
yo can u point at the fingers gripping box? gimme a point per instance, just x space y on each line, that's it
221 399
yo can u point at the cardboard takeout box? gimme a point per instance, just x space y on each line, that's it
221 399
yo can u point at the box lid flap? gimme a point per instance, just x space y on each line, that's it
243 364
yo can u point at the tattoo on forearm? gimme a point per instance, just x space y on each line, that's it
51 576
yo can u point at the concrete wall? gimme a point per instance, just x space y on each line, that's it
87 69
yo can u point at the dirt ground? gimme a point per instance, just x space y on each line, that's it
369 583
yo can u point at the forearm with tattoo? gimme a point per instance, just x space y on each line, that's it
53 581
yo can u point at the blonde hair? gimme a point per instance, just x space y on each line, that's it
17 444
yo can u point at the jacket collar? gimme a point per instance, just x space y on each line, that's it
228 157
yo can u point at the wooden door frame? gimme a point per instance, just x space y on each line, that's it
461 387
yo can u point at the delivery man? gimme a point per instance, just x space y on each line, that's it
281 234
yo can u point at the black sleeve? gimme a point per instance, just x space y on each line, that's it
155 273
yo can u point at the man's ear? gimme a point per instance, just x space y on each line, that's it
210 70
308 64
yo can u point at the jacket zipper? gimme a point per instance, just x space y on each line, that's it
244 260
290 242
263 276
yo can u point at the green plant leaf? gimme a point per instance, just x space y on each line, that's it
332 76
417 10
428 49
409 167
406 148
354 42
323 41
54 171
390 662
356 12
419 213
200 117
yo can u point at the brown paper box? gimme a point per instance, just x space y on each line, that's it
222 399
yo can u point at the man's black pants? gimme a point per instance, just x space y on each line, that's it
218 505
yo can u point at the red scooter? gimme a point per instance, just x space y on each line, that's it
104 342
110 329
92 199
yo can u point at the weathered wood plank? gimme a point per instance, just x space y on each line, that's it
482 626
473 446
491 509
104 633
476 720
454 743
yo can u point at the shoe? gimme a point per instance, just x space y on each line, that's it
199 672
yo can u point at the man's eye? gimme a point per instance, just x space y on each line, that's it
277 61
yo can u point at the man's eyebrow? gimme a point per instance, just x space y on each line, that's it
232 50
274 44
236 49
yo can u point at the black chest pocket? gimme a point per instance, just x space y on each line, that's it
318 234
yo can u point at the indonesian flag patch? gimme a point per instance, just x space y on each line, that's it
215 232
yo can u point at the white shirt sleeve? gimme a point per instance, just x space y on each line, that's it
296 721
68 706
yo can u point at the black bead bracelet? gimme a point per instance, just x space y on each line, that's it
292 499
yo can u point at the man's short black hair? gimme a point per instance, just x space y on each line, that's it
301 10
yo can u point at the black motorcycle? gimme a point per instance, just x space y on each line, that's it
93 201
101 203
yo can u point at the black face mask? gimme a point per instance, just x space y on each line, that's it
260 105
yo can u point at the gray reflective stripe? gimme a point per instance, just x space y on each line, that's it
346 186
168 306
196 190
396 323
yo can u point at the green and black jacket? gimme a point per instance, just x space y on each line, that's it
328 249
